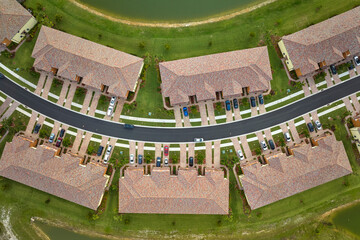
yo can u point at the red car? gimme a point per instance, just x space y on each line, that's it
166 151
58 142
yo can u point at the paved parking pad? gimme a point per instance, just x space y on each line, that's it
328 80
216 155
208 153
31 123
86 102
262 108
118 110
10 110
352 73
268 134
5 105
203 114
77 141
254 111
355 102
294 132
94 103
63 92
70 95
211 113
40 83
183 155
314 116
56 128
47 86
229 117
85 143
348 104
157 150
237 113
246 147
177 114
191 150
336 78
306 89
312 85
140 148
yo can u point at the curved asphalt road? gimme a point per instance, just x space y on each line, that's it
178 135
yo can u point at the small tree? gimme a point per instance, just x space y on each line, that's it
91 149
58 18
193 109
66 142
258 151
200 157
147 158
80 91
167 46
44 134
142 45
175 159
282 142
218 106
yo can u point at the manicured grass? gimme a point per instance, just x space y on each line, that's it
285 102
56 87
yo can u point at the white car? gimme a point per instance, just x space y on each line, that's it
110 111
318 124
166 161
263 145
107 154
198 139
132 159
357 60
112 101
287 137
241 155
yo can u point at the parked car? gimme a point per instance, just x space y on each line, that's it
271 144
253 102
261 99
287 137
2 76
113 101
132 159
351 66
236 103
58 142
166 161
158 162
166 151
333 69
310 126
107 154
263 145
110 110
227 105
37 128
198 139
52 137
191 161
318 125
100 150
128 126
140 159
185 111
241 155
62 132
357 60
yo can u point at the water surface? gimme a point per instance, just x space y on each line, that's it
349 218
166 10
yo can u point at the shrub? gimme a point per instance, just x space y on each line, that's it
252 34
58 18
66 142
167 46
142 45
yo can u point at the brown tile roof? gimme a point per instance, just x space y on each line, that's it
95 63
13 17
62 177
324 41
228 72
285 176
186 193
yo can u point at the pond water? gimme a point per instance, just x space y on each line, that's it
166 10
56 233
349 218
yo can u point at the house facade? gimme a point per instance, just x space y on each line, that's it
15 21
89 64
216 76
323 44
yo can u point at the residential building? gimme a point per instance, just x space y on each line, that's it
307 166
355 132
185 193
322 44
90 64
15 21
64 176
216 76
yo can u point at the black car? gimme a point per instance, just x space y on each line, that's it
37 128
2 76
236 103
272 145
100 150
158 162
311 127
261 99
191 161
253 102
333 69
140 159
62 132
351 66
128 126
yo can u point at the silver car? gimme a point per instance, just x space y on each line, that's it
166 161
110 111
287 137
107 154
198 139
112 101
263 145
241 155
132 159
318 125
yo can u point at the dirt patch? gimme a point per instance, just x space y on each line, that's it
172 25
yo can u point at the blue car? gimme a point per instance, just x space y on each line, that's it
100 150
140 158
253 102
261 99
227 105
158 162
185 111
311 127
